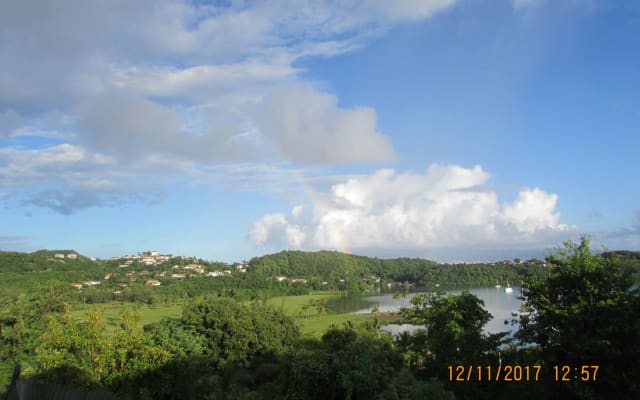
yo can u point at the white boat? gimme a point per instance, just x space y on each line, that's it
508 289
498 285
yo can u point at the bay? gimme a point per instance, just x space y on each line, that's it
500 304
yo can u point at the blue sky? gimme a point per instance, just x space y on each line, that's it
455 130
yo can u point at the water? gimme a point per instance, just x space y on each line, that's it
500 305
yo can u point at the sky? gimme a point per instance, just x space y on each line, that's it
455 130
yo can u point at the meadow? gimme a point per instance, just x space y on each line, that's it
308 311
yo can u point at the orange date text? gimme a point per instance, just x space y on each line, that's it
500 373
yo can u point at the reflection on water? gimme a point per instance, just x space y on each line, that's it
500 305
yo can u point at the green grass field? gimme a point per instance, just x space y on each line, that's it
306 310
317 325
313 319
294 306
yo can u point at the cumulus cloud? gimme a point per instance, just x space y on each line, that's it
211 58
130 127
306 125
300 123
446 206
277 224
127 91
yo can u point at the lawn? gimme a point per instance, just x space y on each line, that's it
308 312
317 325
298 306
310 315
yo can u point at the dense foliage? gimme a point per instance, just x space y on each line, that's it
587 312
582 309
288 272
332 267
453 332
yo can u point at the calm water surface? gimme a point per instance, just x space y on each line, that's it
500 305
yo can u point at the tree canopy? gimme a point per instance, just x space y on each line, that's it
587 312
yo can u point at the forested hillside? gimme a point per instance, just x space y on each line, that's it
629 258
31 272
287 272
331 267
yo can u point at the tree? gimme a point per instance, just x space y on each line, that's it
81 354
587 312
453 330
347 364
453 335
233 332
22 321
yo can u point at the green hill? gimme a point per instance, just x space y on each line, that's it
31 272
332 267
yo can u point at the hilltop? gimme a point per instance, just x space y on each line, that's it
332 267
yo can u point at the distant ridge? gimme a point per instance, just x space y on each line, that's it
335 266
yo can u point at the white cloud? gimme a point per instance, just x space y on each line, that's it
160 88
277 224
297 211
444 207
55 164
295 123
532 211
215 65
56 53
206 82
67 178
306 125
130 127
